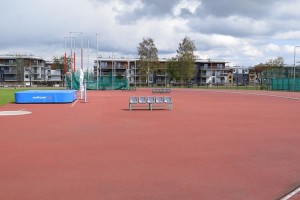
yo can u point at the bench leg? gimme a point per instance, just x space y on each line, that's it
170 106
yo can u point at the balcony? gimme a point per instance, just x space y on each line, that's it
222 75
10 72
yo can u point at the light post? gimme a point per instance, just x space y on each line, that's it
112 70
294 68
97 66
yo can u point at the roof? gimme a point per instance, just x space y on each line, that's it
15 56
161 60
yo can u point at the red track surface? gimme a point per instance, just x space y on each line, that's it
213 145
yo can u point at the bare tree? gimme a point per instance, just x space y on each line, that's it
277 62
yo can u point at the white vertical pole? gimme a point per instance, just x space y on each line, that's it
135 73
97 66
112 71
88 63
81 51
294 76
128 72
100 73
84 85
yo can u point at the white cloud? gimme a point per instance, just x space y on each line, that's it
242 32
287 35
272 47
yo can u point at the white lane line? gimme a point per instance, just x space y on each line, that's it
74 103
291 194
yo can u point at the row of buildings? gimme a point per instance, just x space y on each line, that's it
207 71
29 70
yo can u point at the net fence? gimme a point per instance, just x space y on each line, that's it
108 82
282 78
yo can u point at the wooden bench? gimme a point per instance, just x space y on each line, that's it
157 102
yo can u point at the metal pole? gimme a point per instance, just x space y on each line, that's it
71 56
294 81
84 85
97 66
88 63
100 73
127 73
81 51
134 73
112 70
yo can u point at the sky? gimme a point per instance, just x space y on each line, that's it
241 32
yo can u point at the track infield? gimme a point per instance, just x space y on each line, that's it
213 145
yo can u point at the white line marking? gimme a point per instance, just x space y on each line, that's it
74 103
17 112
291 194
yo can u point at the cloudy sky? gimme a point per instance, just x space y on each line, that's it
242 32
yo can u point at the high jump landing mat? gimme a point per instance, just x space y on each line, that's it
46 96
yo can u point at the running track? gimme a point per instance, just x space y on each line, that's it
213 145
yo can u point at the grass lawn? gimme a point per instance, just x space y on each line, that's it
7 95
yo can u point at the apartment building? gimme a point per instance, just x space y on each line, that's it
26 70
240 76
207 71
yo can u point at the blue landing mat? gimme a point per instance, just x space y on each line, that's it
46 96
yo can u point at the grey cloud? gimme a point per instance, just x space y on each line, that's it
243 18
151 9
238 27
248 8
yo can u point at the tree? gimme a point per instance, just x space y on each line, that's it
19 68
258 70
268 66
58 63
277 62
28 68
173 69
186 59
148 57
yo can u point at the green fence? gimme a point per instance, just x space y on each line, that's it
286 84
93 83
282 78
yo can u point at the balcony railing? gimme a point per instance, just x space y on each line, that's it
10 72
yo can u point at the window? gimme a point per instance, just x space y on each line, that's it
103 64
219 66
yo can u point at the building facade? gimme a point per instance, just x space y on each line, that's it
207 71
27 70
240 76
